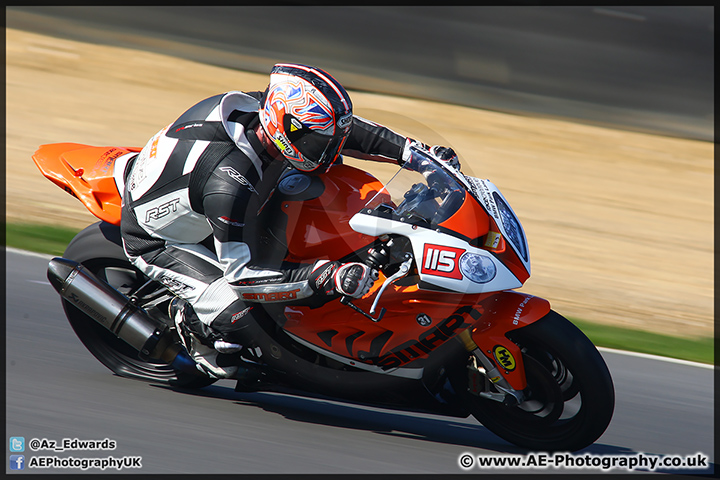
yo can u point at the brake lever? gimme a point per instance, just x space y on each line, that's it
404 270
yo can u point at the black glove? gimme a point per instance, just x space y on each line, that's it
348 279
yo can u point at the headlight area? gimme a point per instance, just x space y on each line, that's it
477 268
513 231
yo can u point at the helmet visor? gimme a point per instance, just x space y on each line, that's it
319 148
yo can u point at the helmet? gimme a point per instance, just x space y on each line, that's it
307 114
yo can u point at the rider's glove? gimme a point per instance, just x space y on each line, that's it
446 155
355 279
407 157
347 279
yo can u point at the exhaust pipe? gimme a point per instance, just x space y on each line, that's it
116 312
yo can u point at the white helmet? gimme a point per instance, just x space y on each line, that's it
307 114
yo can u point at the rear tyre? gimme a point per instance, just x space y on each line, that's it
99 249
570 394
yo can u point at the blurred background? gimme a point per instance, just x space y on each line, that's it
647 69
620 222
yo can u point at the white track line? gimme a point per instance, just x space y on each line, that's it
602 349
656 357
30 254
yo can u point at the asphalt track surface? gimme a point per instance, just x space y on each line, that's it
56 390
644 68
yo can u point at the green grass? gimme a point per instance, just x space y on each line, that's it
38 238
53 240
693 349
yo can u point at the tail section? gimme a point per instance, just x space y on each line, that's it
86 173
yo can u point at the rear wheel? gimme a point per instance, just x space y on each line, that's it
569 396
98 248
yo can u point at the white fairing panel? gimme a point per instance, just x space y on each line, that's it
119 171
416 202
438 255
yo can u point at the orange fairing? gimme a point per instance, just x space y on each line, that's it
319 228
412 328
85 172
502 312
415 325
470 219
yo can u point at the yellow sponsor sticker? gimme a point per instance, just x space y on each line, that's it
504 358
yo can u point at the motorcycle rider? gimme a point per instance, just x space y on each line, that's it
193 191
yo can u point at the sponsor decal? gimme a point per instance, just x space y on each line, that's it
493 240
99 317
107 159
138 171
481 190
272 296
295 124
423 320
175 285
262 281
472 182
518 312
163 210
322 278
240 315
156 140
429 340
504 358
488 201
283 144
442 261
235 175
345 121
191 125
230 221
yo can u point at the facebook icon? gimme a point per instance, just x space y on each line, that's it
17 462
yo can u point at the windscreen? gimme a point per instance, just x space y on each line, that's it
421 193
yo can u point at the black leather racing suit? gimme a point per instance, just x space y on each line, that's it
191 196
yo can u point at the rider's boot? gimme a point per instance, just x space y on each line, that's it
215 362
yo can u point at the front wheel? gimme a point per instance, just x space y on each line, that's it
570 396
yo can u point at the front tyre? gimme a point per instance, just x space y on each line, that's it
570 396
99 249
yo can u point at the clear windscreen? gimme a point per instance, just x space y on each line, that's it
421 193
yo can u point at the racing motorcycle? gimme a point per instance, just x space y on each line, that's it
442 330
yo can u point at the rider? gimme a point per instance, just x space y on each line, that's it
197 183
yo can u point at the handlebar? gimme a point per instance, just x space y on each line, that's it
372 262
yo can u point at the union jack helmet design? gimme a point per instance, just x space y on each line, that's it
307 114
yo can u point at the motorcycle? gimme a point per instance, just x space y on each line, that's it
442 330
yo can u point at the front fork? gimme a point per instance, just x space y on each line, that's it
482 372
496 360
